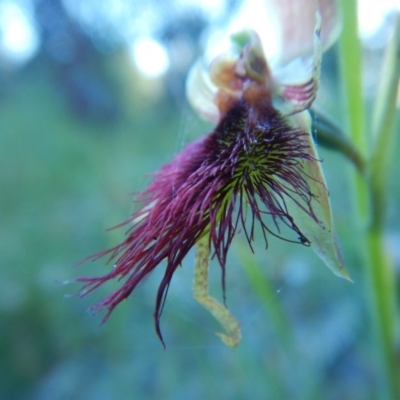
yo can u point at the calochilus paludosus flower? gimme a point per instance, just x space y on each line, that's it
259 166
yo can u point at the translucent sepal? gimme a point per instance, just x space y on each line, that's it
319 231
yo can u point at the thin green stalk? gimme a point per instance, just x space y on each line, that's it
382 125
351 68
382 269
383 310
377 265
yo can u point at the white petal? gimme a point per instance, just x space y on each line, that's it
200 92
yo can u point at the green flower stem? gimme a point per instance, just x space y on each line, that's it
382 270
383 310
382 292
331 136
382 125
351 63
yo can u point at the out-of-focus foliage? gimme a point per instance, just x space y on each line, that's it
80 128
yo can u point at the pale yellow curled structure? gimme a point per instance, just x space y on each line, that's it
233 335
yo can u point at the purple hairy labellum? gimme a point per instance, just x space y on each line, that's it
258 167
252 160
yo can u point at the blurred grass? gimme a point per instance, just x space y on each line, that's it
65 180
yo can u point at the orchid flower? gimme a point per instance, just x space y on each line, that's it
259 166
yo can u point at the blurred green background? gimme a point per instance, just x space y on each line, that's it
80 127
